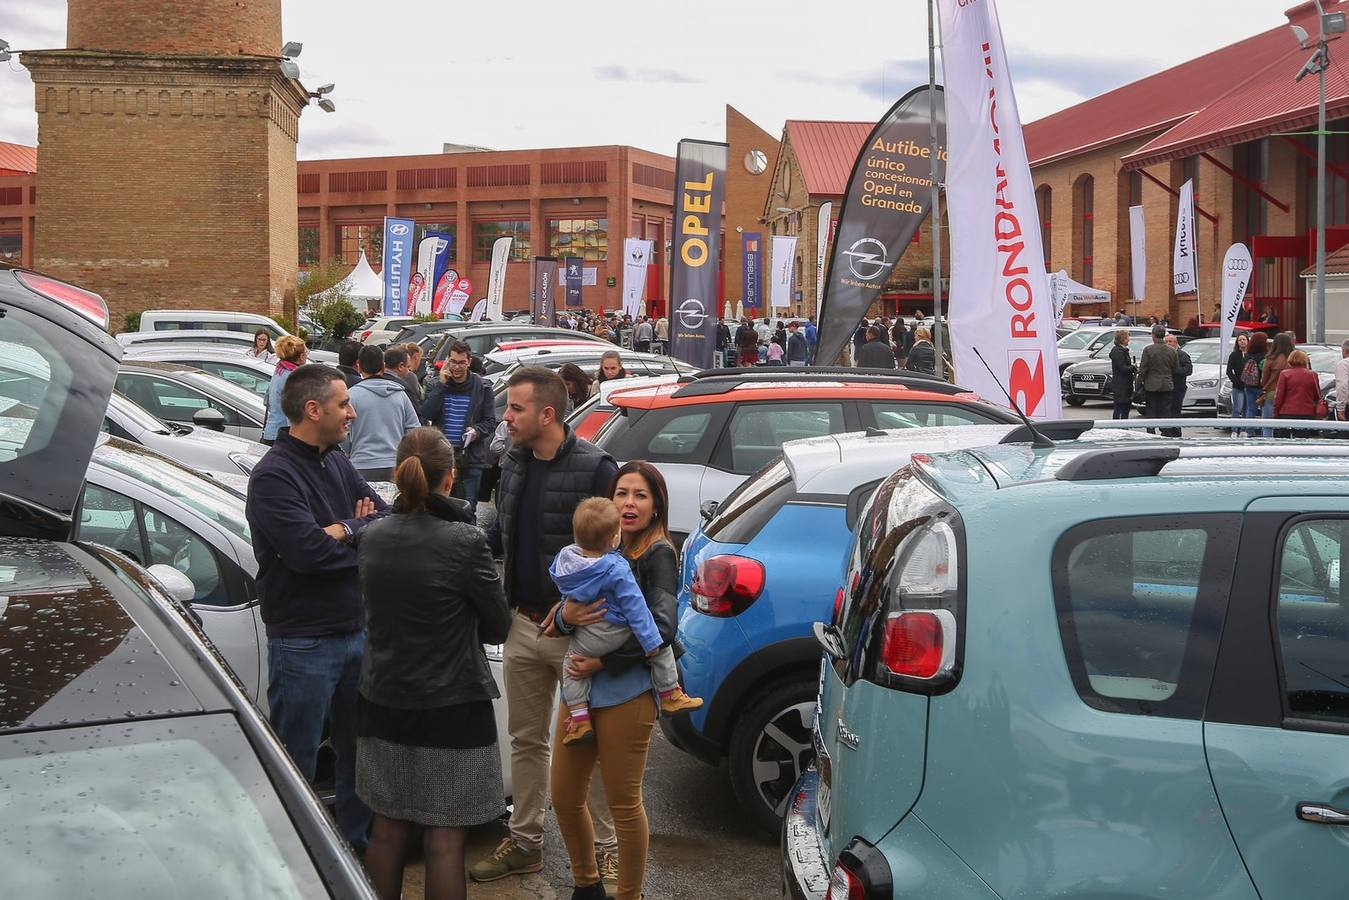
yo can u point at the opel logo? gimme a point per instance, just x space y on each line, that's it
398 229
867 258
692 313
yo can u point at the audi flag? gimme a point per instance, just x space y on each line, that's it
1001 309
888 196
1236 278
700 175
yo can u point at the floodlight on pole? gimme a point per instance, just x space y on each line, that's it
327 105
326 89
4 51
291 49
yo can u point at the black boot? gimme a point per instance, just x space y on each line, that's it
590 892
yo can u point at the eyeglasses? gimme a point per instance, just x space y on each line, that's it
456 364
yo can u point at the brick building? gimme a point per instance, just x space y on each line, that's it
750 157
1229 121
18 189
574 201
167 145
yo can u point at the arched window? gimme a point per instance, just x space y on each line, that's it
1044 202
1084 204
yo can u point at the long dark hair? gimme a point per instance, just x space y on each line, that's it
577 381
424 458
1283 344
659 529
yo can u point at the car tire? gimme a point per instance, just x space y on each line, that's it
771 748
1074 401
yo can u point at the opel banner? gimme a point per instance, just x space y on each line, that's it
887 198
542 300
1001 309
700 175
397 270
496 277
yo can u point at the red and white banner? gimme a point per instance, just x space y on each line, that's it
1000 302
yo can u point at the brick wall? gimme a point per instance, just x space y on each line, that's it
746 194
196 27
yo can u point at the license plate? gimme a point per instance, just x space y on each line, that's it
822 797
1089 382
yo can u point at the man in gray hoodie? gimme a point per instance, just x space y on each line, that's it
383 415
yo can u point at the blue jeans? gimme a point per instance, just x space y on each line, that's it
1251 410
467 488
1267 412
312 680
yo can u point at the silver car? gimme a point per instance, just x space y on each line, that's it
190 396
246 371
237 340
199 448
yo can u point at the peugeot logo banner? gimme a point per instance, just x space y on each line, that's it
887 199
700 185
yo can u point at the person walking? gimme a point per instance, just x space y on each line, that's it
383 415
798 351
1252 372
262 347
642 336
306 502
1122 371
859 338
544 475
812 340
1342 383
1275 362
747 342
291 354
1297 395
662 335
898 332
1157 366
426 743
347 354
1179 382
922 355
461 405
623 707
1236 361
763 331
876 352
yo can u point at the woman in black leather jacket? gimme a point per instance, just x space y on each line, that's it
623 708
1122 371
426 747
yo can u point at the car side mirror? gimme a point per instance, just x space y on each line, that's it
175 583
209 417
709 509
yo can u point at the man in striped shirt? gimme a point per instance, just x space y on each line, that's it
460 404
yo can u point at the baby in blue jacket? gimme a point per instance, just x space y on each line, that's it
592 568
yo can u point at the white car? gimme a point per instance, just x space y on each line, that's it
209 320
246 371
499 360
381 329
237 340
199 448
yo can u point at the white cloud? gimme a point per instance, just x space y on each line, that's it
411 74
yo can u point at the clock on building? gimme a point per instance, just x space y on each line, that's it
756 162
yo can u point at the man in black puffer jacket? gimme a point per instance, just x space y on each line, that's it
546 473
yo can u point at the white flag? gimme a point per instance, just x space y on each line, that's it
1138 251
636 259
496 278
1000 298
1183 280
1236 278
780 283
822 228
479 310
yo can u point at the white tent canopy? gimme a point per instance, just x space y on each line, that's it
361 285
1064 290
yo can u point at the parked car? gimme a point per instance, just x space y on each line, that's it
190 396
252 374
710 434
1091 380
642 365
198 448
587 419
1086 670
381 329
237 340
752 587
507 352
209 320
1098 336
126 746
484 338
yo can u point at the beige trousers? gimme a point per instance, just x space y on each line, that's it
533 670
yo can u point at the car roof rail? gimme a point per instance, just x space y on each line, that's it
1120 462
1054 429
712 382
770 371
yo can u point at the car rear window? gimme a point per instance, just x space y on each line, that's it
1141 602
752 505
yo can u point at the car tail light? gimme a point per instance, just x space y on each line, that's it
725 586
914 643
86 303
918 636
838 606
861 872
845 885
366 334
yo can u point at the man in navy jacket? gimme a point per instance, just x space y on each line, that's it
305 504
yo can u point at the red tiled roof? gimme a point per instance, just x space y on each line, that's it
1204 98
17 157
826 152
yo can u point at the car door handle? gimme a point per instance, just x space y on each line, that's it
1322 814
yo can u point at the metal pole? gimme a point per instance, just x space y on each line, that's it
1319 310
935 211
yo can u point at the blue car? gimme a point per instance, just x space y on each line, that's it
1106 668
756 575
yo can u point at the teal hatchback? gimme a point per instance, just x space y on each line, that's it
1102 669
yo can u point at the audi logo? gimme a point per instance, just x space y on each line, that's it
1238 265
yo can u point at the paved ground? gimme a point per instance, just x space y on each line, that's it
698 834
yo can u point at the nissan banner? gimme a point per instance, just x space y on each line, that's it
1236 278
397 269
1000 306
542 304
573 276
751 251
700 175
496 277
887 198
636 258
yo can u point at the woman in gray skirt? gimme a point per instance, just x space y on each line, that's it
426 750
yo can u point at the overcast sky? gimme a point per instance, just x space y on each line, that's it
412 74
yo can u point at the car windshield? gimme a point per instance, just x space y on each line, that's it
136 414
158 808
202 494
1202 352
240 398
1076 340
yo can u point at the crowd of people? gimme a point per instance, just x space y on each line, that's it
376 616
